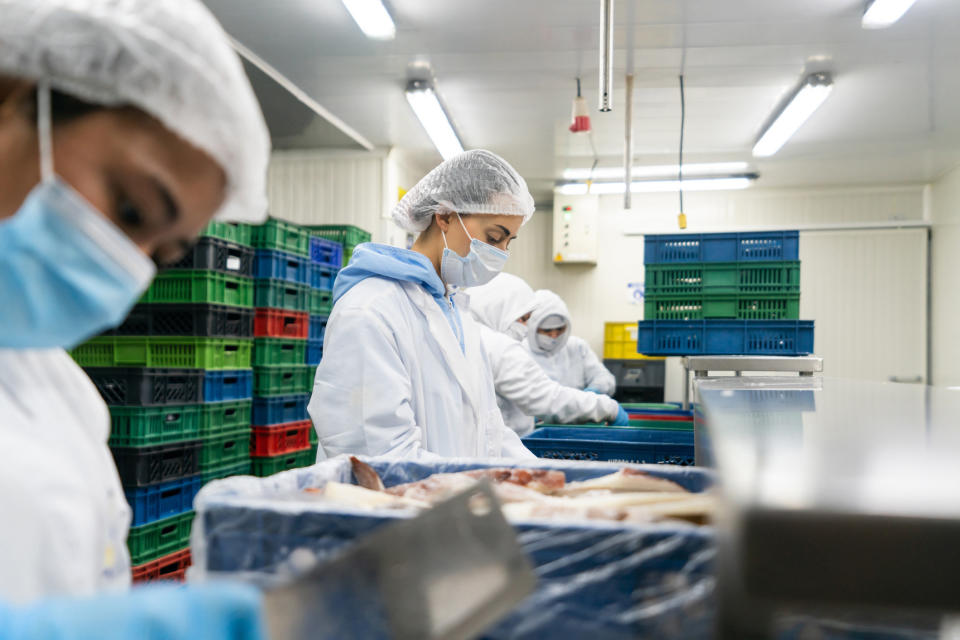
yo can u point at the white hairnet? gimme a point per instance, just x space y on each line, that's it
548 307
168 58
475 181
501 301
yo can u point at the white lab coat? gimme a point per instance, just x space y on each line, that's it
572 363
394 381
65 519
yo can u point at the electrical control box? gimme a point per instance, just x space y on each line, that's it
576 221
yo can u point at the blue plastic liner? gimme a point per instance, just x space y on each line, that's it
725 337
221 386
595 579
761 246
650 446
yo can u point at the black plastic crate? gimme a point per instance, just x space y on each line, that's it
138 387
214 254
201 320
144 466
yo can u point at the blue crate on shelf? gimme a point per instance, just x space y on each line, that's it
323 276
280 265
722 247
163 500
314 352
318 327
326 252
725 337
220 386
613 444
280 410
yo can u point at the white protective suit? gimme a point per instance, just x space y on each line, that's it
65 518
523 389
572 362
394 380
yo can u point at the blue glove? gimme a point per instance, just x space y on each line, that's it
224 611
623 419
592 390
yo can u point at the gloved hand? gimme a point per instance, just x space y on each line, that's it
592 390
623 419
224 611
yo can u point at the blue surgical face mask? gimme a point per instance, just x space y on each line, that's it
67 272
478 267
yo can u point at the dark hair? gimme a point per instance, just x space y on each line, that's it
63 107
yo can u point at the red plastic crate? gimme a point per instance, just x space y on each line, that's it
169 567
639 415
280 323
280 439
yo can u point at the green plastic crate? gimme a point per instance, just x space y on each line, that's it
321 302
281 294
263 467
347 254
275 352
347 235
171 352
149 426
651 406
225 450
157 539
746 306
314 440
282 236
229 231
712 278
200 287
216 473
219 418
282 381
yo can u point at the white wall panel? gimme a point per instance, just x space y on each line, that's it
945 280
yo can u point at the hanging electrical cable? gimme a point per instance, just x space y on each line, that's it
682 218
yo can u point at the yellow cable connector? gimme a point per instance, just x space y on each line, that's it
682 220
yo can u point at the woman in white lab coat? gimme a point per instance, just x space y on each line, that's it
564 357
403 371
125 125
524 391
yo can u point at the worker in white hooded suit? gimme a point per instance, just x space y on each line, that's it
564 357
403 371
524 391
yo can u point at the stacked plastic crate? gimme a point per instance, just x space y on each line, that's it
326 257
348 236
723 294
176 376
282 379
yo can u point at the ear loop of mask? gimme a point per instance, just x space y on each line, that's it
45 131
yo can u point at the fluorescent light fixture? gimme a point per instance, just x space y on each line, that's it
425 104
656 186
655 171
806 99
880 14
372 18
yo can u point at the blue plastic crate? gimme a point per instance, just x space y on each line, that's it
159 501
323 276
318 327
725 337
280 265
220 386
279 410
326 252
612 444
314 352
722 247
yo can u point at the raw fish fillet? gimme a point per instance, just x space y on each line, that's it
623 480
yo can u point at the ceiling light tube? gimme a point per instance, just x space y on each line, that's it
426 106
655 171
656 186
372 18
806 99
880 14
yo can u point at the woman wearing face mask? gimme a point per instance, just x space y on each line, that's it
125 125
524 391
565 358
403 371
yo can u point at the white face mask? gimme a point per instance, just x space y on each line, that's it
547 343
480 266
517 330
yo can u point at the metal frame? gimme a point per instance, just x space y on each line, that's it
703 365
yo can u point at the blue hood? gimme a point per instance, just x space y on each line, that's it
383 261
